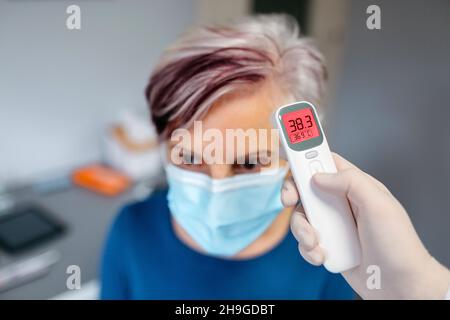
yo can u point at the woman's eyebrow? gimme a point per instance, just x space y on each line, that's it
242 159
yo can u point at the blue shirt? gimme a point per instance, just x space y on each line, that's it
144 259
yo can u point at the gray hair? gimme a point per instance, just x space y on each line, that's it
210 61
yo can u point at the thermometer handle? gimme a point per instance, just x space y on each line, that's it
330 215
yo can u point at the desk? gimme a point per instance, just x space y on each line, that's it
88 217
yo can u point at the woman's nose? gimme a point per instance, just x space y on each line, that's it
220 171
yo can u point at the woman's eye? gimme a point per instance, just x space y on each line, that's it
247 167
188 158
189 162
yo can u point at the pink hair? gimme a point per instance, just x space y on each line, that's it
209 62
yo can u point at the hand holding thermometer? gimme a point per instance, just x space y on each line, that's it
308 153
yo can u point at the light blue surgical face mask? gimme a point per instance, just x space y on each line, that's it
225 215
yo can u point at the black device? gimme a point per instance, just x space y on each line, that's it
27 226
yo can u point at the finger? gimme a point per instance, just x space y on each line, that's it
303 232
315 256
289 193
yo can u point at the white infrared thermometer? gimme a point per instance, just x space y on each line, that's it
307 151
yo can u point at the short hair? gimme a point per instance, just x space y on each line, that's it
211 61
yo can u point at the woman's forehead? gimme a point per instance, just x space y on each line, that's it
247 109
239 122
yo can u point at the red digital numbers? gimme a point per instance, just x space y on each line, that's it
300 125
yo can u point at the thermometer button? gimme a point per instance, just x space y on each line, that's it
315 166
311 154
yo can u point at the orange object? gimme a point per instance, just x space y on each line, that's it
101 179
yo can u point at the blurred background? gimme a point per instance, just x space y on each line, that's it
75 143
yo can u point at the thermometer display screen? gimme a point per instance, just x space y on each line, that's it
300 125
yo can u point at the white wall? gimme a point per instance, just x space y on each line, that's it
58 88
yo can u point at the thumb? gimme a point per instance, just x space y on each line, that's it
350 183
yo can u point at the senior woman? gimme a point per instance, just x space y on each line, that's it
220 231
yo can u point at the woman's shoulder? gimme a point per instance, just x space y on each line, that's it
139 213
155 201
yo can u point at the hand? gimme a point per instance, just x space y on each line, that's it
387 237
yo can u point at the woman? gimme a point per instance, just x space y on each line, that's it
220 230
